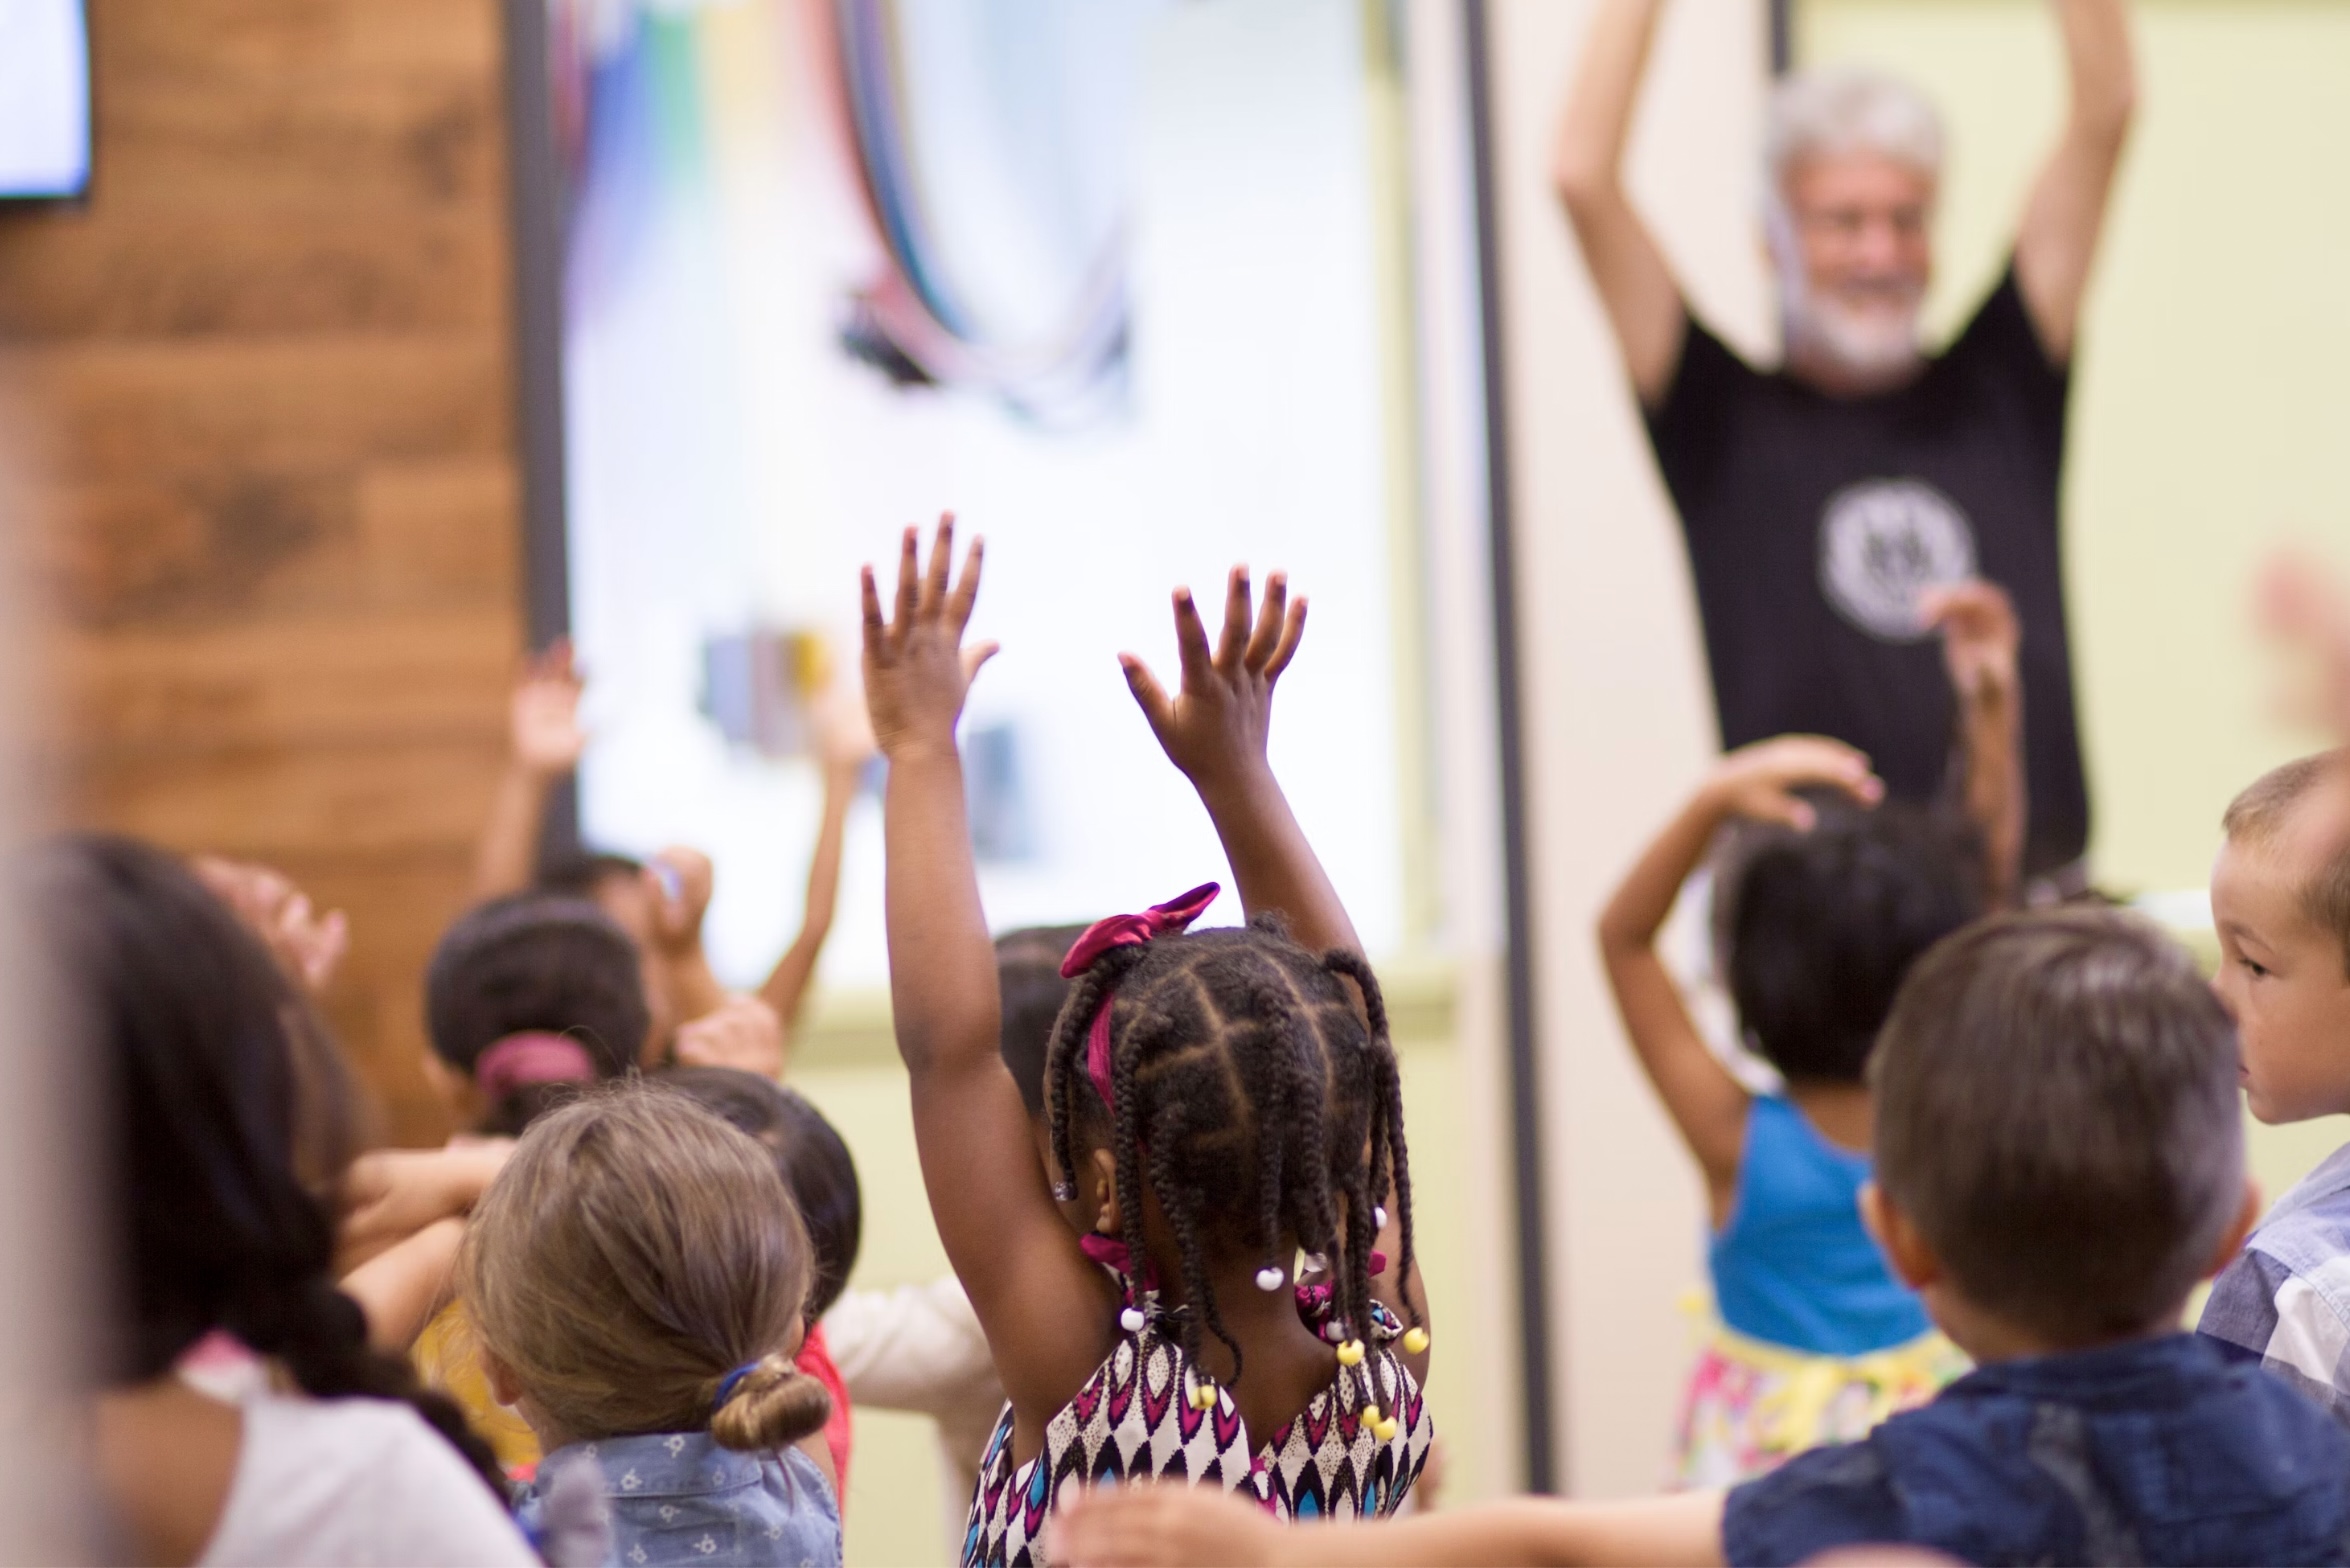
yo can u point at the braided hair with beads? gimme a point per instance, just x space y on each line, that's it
1260 1105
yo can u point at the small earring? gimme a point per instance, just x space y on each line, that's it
1064 1192
1269 1278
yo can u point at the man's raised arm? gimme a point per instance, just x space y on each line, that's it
1643 303
2058 239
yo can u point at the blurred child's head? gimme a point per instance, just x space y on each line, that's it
224 1121
1028 976
528 997
1246 1096
634 1253
808 1154
2280 898
624 888
1823 924
2058 1149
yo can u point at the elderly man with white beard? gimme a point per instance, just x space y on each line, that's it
1822 500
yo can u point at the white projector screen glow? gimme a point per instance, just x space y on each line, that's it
44 98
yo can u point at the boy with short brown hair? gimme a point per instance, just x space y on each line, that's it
2280 899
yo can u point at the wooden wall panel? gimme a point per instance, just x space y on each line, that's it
263 385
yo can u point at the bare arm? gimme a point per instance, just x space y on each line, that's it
1148 1526
1635 284
1980 636
786 986
1047 1312
544 742
1215 731
1756 782
401 1288
2058 239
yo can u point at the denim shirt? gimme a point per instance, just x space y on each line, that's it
2161 1450
679 1497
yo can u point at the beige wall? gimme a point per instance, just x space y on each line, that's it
1617 716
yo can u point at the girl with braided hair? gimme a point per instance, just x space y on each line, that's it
1217 1104
243 1416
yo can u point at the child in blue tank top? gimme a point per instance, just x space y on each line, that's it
1833 893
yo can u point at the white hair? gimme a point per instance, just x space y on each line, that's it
1848 109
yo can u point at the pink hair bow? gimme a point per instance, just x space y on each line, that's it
1175 915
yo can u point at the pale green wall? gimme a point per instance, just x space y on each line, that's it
2211 411
893 1506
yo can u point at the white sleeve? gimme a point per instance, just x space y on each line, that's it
917 1348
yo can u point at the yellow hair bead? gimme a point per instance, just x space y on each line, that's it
1415 1341
1371 1415
1350 1354
1203 1396
1385 1430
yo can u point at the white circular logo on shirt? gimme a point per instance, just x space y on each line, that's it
1883 542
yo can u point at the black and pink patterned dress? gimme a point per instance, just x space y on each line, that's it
1132 1421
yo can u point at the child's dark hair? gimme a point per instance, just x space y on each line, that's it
809 1155
1823 925
1260 1105
1028 977
582 873
227 1119
535 963
2056 1111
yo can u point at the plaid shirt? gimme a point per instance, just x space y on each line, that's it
2285 1300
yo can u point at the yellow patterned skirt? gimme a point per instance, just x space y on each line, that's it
1750 1406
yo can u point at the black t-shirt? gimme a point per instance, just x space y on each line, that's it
1813 522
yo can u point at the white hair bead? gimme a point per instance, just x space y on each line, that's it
1379 1215
1269 1278
1131 1320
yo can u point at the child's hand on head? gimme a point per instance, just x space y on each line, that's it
744 1033
917 669
1980 635
1759 782
1217 723
542 719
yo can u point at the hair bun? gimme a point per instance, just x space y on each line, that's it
774 1406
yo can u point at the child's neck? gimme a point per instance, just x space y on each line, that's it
1987 1338
1842 1113
1287 1363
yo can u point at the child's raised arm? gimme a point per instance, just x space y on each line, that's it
844 745
544 742
1980 635
1048 1313
1214 729
1757 782
1173 1526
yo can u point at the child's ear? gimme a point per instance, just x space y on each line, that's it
2232 1241
1108 1222
503 1387
1913 1262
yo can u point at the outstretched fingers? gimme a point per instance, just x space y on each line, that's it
876 629
966 590
1149 695
1267 634
1191 641
1232 646
942 561
1293 630
909 582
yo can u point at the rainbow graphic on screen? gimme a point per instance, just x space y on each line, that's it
984 142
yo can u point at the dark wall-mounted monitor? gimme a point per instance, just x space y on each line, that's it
44 99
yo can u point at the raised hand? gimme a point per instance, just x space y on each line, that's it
843 730
1759 782
307 945
679 883
542 718
2302 607
1980 636
744 1033
1217 723
917 670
